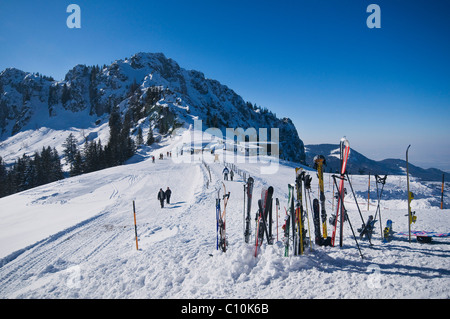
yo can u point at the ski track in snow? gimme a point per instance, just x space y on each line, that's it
95 256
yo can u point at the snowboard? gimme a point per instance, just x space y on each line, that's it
388 232
366 229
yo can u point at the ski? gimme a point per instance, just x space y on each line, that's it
345 151
289 219
319 162
268 215
249 193
285 229
299 212
264 208
307 187
411 215
409 197
316 219
218 214
258 239
277 207
221 239
261 211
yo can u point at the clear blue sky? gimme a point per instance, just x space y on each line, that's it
313 61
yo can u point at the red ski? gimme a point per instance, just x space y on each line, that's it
345 151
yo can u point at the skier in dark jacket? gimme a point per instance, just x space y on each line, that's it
225 173
168 193
161 197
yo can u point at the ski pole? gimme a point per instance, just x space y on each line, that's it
356 201
277 205
344 214
243 225
307 217
135 226
442 192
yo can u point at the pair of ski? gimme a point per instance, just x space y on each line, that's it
345 152
344 155
263 216
321 239
222 242
295 218
264 219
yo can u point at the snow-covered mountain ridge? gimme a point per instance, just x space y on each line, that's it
154 90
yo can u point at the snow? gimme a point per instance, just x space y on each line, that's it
75 238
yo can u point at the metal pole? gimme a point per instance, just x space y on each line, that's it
409 197
368 195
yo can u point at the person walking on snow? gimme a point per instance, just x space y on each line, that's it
168 193
161 197
225 173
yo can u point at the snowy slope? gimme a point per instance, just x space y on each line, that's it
75 239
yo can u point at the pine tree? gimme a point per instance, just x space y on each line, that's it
90 156
70 149
78 165
24 172
120 146
45 165
38 175
127 145
101 161
3 178
150 138
113 146
139 138
56 172
12 180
